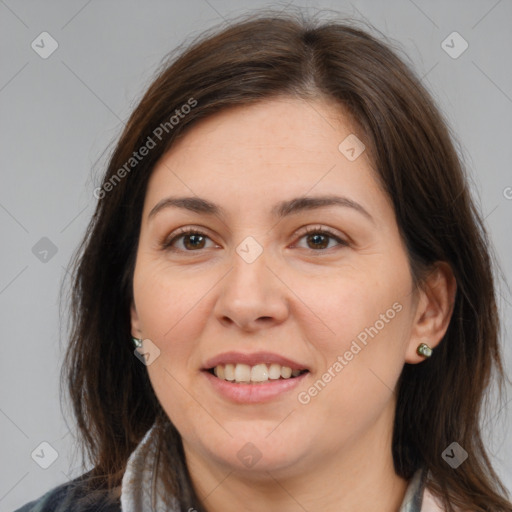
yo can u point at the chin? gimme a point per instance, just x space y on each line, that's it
255 453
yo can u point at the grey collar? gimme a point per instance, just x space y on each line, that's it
414 494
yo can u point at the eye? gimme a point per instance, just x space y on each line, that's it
319 238
193 239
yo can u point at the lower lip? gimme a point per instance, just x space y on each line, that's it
253 393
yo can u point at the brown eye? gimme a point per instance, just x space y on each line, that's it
192 240
196 241
319 239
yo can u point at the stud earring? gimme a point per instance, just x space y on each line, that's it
424 350
137 342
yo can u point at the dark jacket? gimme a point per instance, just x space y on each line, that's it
73 497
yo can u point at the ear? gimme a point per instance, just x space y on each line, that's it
433 311
135 322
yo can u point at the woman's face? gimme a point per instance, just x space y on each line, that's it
273 277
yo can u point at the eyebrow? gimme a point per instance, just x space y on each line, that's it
280 210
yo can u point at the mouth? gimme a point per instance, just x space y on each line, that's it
261 373
240 383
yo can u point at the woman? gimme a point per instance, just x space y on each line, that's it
284 300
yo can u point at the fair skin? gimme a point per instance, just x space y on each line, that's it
306 297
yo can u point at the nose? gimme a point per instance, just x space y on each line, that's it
251 296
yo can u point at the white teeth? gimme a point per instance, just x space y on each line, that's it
242 373
219 371
286 372
258 373
229 372
274 371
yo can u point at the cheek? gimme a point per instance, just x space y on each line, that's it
363 352
166 300
171 313
359 305
170 308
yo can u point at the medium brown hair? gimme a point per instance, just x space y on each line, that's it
254 59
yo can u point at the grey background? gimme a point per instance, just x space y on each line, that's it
58 115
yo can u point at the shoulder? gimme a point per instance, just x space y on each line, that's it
71 497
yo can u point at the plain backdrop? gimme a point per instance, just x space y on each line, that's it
58 115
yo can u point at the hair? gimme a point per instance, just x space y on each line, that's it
265 56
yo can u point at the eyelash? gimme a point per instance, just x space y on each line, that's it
167 243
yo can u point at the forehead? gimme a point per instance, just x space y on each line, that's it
279 129
270 149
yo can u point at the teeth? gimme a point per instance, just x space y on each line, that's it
274 371
258 373
229 372
242 373
286 372
219 371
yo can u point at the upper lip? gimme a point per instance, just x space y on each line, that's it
252 360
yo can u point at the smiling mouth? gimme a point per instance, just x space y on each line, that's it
258 374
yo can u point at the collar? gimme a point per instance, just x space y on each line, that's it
139 479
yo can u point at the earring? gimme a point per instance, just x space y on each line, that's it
424 350
137 342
